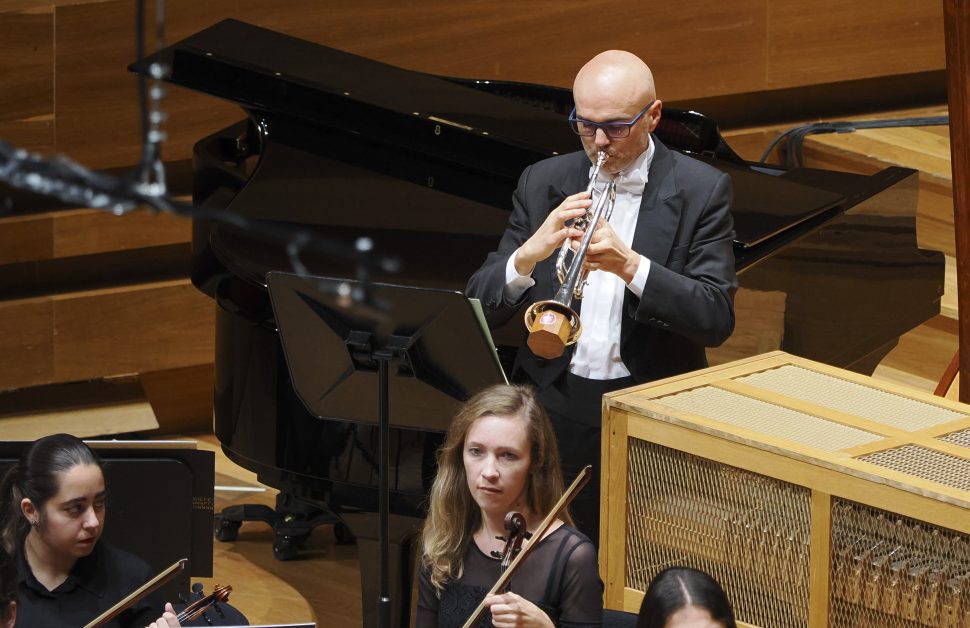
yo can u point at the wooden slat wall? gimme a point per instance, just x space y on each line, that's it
27 77
87 232
68 60
70 233
26 342
104 333
132 330
820 41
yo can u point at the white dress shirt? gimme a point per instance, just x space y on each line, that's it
597 354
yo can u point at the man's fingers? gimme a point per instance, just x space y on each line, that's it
580 195
571 213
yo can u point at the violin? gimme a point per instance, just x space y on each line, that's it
197 608
515 524
189 613
523 551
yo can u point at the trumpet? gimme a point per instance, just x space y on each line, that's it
552 324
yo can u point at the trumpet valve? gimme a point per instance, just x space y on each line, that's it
578 292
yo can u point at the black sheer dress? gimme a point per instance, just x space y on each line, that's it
560 576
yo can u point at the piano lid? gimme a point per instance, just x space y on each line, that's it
766 204
272 72
416 128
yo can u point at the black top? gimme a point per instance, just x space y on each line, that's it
560 576
97 582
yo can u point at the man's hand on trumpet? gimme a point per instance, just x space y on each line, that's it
550 235
608 252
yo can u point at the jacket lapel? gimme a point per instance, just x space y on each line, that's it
659 209
577 175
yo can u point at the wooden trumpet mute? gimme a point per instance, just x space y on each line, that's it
552 327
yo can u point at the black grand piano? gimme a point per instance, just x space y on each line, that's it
425 166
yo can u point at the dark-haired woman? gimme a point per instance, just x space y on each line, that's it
681 597
51 520
499 456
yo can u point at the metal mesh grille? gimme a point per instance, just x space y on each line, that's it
750 532
925 463
961 438
889 570
855 399
769 419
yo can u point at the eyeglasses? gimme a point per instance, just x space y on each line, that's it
613 130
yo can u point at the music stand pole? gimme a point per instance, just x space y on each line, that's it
383 600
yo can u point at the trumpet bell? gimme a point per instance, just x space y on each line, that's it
552 327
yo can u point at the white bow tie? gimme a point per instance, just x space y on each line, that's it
630 183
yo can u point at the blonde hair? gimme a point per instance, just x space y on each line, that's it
453 515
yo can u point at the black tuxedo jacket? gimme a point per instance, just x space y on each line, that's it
684 228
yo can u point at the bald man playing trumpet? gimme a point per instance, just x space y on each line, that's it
661 282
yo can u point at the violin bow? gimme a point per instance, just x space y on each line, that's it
537 536
140 593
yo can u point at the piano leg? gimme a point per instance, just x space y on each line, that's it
403 545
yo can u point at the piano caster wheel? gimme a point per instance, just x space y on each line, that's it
227 530
285 547
343 534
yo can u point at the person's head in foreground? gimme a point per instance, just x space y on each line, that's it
53 501
469 492
681 597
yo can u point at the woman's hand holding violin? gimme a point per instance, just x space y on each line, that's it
513 611
167 620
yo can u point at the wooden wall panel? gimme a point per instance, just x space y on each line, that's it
27 79
25 238
694 49
105 333
71 233
97 112
834 40
35 135
89 231
10 6
181 398
26 343
132 330
699 49
547 41
26 65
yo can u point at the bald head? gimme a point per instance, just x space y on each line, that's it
616 76
616 86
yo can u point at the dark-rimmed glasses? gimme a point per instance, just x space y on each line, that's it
613 130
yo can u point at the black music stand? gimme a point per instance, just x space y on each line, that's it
340 338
